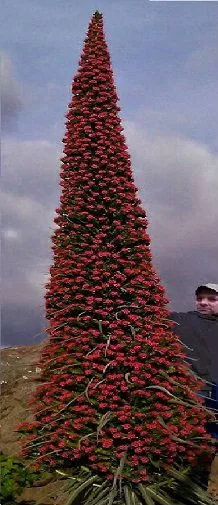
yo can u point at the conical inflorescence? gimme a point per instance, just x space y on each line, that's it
117 397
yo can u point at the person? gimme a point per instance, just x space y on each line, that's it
198 330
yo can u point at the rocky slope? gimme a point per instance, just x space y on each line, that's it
20 376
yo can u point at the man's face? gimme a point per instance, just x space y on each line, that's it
207 302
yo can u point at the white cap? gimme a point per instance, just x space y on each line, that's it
210 285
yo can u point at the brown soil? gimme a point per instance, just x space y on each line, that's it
20 376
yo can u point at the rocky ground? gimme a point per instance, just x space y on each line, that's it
20 376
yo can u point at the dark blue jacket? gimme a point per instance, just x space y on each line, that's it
200 333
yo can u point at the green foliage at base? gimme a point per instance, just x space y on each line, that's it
178 488
14 477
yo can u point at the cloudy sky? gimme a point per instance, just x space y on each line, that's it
164 57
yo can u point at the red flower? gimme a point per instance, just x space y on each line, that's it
107 443
110 337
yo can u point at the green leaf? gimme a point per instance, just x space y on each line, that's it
104 501
192 487
145 495
127 494
163 500
130 497
112 496
98 494
15 476
64 474
156 464
81 488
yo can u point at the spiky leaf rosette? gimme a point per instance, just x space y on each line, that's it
118 395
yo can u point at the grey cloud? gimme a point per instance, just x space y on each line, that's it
11 96
26 256
178 185
177 180
22 325
30 169
25 231
29 199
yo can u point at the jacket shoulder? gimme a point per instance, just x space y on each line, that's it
185 323
184 317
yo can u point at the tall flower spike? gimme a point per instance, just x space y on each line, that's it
117 396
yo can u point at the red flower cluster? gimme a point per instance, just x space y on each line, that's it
115 383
